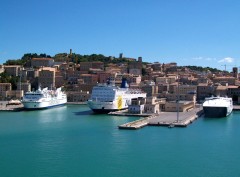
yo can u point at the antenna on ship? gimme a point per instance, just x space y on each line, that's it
177 101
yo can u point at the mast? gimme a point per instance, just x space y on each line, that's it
177 96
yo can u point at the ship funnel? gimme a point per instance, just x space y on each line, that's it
124 83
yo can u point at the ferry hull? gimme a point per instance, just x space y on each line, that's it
105 111
104 107
43 105
216 112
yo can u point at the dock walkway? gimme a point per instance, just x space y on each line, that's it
135 124
165 119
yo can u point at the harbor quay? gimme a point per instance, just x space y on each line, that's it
169 119
5 106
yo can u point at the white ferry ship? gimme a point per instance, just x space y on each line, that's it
217 106
108 97
44 98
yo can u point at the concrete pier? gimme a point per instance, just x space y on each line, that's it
165 119
125 113
170 118
236 107
135 124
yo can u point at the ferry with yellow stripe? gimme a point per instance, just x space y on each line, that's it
108 97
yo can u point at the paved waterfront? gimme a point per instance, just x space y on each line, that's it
167 118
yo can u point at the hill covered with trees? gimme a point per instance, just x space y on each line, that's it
77 58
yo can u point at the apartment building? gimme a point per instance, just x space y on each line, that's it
4 87
47 77
78 96
59 79
135 67
183 106
224 80
152 105
234 93
25 86
103 77
163 88
186 89
204 90
221 91
85 66
13 70
85 87
183 97
166 80
1 69
42 62
135 79
89 78
150 89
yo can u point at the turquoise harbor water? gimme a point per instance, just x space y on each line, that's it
71 141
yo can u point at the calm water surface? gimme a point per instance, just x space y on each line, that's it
72 141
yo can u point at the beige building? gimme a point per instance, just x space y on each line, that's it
135 67
6 92
25 86
59 80
234 93
183 106
204 90
166 80
78 96
4 88
221 91
14 94
85 66
47 77
163 88
13 70
224 80
136 79
89 78
42 62
103 77
85 87
183 97
151 90
1 69
186 89
152 106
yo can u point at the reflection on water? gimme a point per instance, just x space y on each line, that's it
88 112
52 115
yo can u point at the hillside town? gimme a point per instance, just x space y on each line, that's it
166 84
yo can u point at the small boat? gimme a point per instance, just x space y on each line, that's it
14 102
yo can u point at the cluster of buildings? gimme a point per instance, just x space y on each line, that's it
165 84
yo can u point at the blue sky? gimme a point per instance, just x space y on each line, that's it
189 32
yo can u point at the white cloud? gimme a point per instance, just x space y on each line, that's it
197 58
226 60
